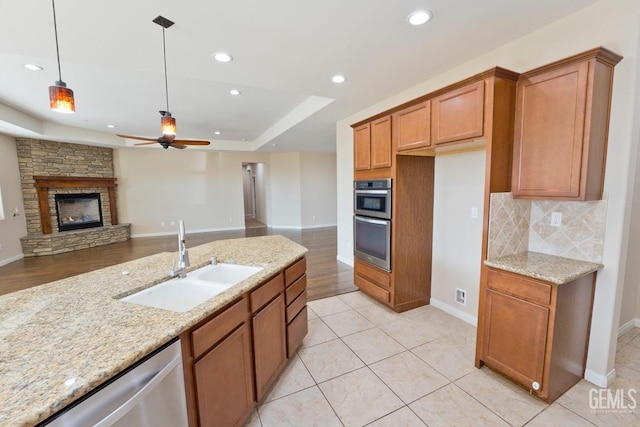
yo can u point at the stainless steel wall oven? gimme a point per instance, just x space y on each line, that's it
372 222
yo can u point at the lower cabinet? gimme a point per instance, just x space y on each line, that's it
535 332
224 381
270 344
232 358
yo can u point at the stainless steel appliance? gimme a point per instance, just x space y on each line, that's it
149 394
372 222
372 198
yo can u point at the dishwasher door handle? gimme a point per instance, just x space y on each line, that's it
139 394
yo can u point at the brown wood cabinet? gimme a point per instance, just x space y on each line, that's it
458 115
232 358
412 127
296 300
219 369
372 146
536 332
561 128
269 333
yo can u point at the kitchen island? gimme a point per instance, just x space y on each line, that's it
61 340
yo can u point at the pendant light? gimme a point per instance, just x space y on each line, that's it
167 123
60 96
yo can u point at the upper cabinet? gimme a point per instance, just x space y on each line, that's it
372 145
458 114
561 127
412 127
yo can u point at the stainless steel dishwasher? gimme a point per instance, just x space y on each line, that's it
150 393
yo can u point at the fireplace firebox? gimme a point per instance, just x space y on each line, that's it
77 211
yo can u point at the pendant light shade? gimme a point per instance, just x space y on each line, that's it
168 124
60 96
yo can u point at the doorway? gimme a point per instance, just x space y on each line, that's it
253 195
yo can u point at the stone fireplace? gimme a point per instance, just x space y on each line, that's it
50 173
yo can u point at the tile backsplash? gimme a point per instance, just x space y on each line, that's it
517 225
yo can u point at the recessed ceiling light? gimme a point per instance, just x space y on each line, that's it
111 126
243 139
217 132
338 78
33 67
235 92
222 57
420 17
274 145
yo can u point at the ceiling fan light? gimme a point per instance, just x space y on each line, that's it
168 125
61 98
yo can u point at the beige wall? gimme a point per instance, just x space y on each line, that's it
457 238
609 23
318 189
11 228
284 190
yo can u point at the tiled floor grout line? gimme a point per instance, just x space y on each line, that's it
575 413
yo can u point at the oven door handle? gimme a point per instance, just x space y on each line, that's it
372 191
372 221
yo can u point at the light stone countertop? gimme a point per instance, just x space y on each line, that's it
62 339
550 268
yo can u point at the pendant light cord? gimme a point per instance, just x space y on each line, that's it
166 84
55 29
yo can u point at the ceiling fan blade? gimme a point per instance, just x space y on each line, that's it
178 146
191 142
142 138
146 143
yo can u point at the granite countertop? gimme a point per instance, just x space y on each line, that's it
550 268
60 340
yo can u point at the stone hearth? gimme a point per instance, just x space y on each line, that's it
49 167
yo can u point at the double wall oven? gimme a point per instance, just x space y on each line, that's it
372 222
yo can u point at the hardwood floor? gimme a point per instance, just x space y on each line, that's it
325 275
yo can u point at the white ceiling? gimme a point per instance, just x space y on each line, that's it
285 52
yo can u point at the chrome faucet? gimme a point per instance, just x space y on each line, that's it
183 253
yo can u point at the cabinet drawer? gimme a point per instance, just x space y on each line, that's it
518 286
296 331
297 305
217 328
292 273
265 293
372 274
296 289
372 290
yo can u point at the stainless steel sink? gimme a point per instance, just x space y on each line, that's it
183 294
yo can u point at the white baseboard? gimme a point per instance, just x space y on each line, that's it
633 323
174 232
348 261
11 259
306 227
286 227
462 315
602 381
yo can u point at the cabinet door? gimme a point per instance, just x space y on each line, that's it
515 336
381 143
549 133
224 381
269 344
362 147
458 115
413 127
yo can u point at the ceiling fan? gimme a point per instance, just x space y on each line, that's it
168 123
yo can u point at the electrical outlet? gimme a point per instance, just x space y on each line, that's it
313 218
163 224
461 296
172 223
474 213
556 219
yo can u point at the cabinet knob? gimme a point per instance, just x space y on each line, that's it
535 385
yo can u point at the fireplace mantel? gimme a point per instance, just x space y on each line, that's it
43 183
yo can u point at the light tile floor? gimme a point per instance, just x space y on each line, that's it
363 364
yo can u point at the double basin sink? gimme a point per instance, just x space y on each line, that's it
183 294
